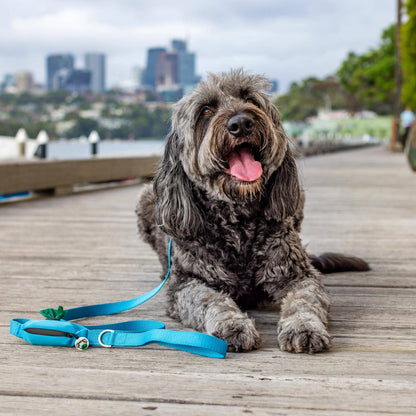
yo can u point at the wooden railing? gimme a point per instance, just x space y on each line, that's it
61 176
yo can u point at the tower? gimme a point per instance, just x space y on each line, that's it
56 63
95 63
185 63
153 57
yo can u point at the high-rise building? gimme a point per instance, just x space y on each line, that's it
9 82
186 68
174 69
55 63
95 63
166 69
78 80
59 79
186 63
179 45
150 73
75 80
24 81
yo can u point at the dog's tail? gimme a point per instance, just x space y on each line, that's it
335 262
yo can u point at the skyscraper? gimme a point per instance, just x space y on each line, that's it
166 69
150 74
78 80
24 81
179 45
173 69
186 63
95 63
186 68
55 63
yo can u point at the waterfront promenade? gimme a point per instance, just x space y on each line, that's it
83 249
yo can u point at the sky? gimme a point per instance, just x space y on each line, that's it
286 40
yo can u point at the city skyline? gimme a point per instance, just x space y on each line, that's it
287 41
61 73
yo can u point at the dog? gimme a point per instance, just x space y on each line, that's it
227 193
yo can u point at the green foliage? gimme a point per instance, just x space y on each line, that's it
362 82
139 121
52 97
33 128
304 99
82 127
32 113
369 78
408 52
10 126
150 123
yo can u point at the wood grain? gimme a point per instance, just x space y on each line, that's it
63 175
84 249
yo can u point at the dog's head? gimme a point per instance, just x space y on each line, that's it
226 140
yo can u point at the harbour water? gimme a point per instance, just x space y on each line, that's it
80 149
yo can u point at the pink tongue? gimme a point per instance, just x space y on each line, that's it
243 165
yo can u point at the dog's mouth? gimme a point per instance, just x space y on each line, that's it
243 163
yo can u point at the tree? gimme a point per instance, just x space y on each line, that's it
408 52
369 78
304 99
82 127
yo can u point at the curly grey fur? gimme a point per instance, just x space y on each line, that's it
235 243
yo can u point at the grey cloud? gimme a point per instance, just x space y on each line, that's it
287 40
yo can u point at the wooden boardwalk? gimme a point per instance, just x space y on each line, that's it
83 249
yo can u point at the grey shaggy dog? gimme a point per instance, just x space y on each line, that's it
227 193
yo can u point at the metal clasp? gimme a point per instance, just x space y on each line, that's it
100 336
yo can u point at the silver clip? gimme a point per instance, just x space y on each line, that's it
100 336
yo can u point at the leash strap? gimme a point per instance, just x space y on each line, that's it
60 332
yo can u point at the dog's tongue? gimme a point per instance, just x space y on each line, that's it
243 165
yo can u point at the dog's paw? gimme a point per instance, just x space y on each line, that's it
307 337
240 334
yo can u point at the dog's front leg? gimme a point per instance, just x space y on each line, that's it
204 309
304 317
291 281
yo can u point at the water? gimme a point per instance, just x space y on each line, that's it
81 149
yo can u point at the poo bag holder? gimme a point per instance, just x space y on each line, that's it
57 331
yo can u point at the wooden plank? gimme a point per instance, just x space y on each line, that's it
38 405
84 249
50 174
361 364
264 389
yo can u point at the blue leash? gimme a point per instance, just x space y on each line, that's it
59 332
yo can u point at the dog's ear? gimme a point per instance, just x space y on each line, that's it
177 212
283 192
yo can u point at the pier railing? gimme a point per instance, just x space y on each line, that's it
60 177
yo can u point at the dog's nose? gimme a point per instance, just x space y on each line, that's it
240 125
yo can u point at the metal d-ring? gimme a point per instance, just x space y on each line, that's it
100 336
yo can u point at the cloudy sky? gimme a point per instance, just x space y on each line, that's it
286 40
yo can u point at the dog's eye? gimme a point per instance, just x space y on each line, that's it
251 101
206 111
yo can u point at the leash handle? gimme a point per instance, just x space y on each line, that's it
123 334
